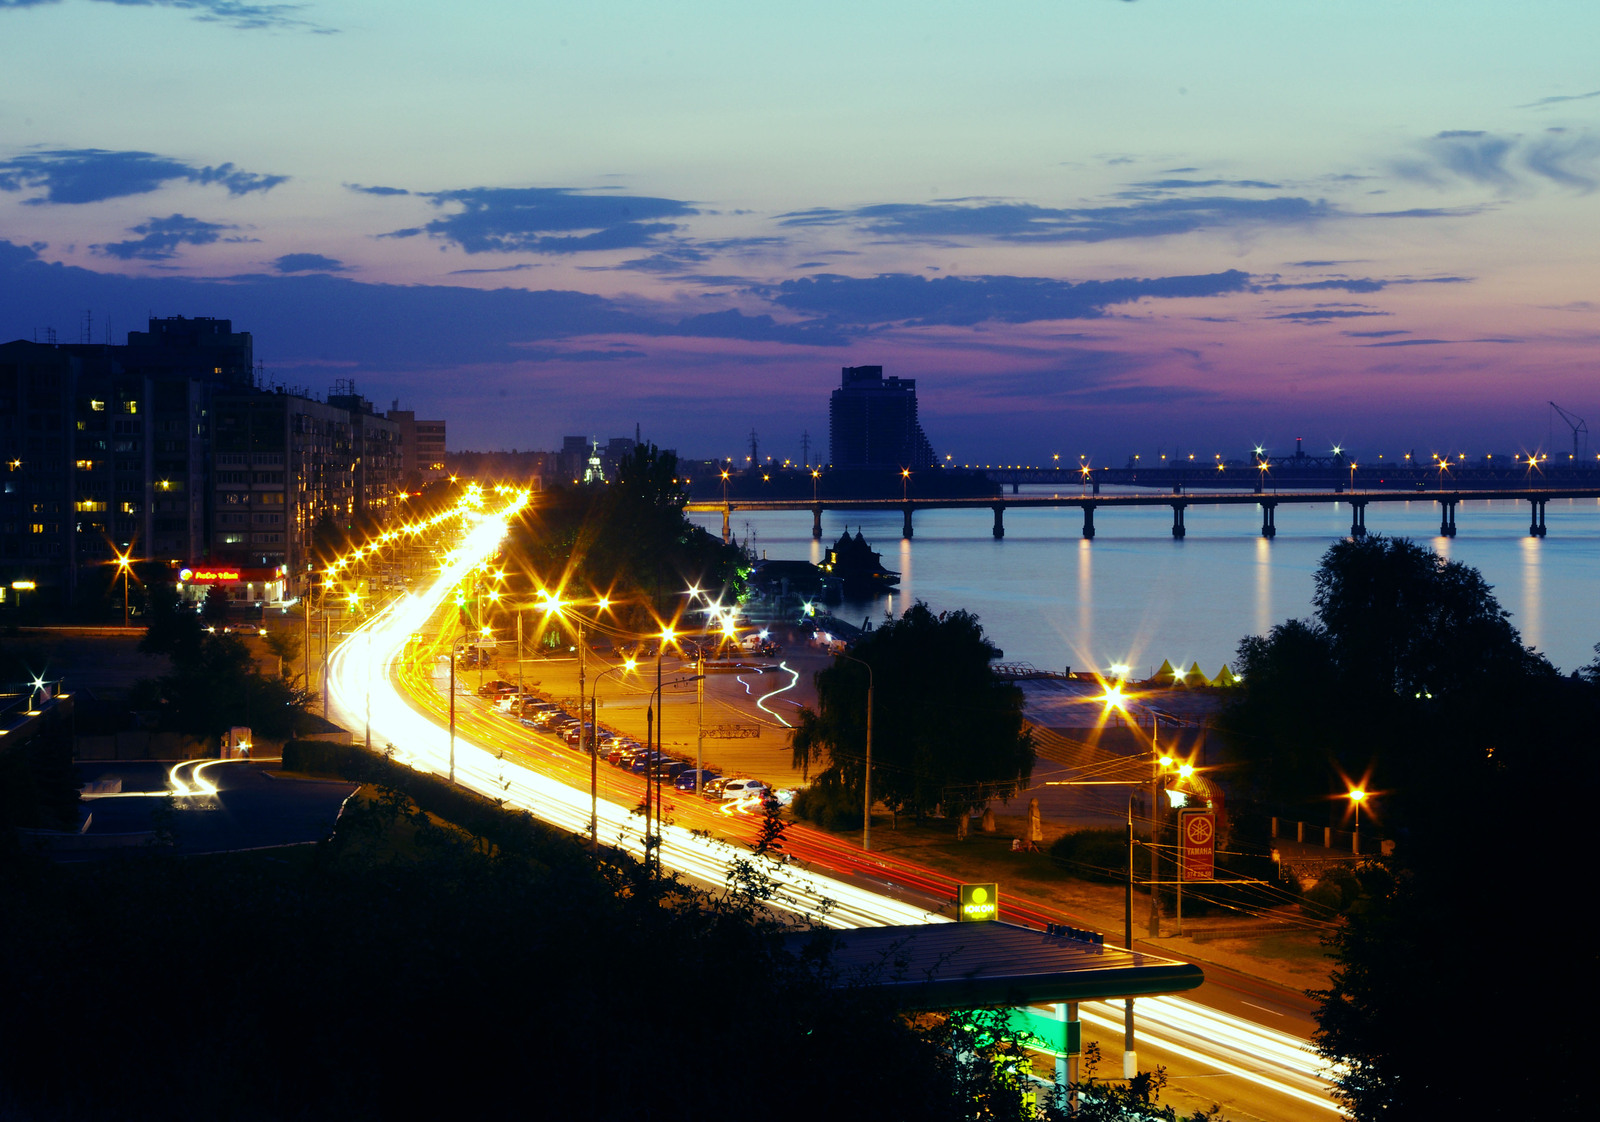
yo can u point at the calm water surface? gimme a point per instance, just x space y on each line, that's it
1137 595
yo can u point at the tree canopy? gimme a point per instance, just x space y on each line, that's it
1413 682
946 730
213 682
1405 670
627 539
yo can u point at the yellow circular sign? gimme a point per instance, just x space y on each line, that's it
980 895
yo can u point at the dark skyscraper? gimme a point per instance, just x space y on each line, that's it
872 422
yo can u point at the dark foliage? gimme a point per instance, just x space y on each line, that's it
360 981
627 540
213 683
946 729
1411 667
1413 679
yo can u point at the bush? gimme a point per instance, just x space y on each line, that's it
828 804
1100 855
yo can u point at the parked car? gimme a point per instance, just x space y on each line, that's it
742 788
685 780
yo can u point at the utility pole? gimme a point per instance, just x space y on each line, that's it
325 659
700 726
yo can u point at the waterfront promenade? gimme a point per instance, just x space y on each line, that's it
1180 502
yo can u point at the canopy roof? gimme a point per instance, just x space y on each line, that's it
973 965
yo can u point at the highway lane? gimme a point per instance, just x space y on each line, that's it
1254 1071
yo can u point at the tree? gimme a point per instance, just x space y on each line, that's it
1413 679
946 730
1403 673
628 539
285 645
215 608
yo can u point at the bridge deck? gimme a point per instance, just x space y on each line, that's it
1188 498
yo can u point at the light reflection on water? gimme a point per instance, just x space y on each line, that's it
1137 595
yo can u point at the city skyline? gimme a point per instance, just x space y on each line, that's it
1093 228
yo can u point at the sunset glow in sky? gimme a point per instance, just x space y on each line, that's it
1084 226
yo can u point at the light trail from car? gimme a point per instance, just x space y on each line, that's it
1237 1046
761 702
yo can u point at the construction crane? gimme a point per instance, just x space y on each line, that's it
1579 427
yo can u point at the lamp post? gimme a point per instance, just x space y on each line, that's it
594 759
554 605
1357 795
453 648
124 566
905 484
866 773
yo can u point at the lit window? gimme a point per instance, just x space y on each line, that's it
130 406
97 406
36 528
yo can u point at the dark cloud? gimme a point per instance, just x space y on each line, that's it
1024 223
92 175
234 13
910 299
502 269
672 259
307 263
1557 99
1375 334
1409 343
1356 284
1188 184
1561 156
1323 315
555 220
161 238
367 326
384 191
1351 284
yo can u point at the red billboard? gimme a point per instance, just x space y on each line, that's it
228 574
1197 833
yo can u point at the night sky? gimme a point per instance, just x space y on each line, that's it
1084 226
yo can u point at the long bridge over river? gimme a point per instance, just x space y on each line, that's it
1090 502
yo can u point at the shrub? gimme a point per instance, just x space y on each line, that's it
1099 854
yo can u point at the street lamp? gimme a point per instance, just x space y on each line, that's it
1357 796
866 774
455 646
815 475
905 483
594 755
124 565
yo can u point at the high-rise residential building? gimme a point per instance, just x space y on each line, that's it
165 450
421 447
378 460
872 422
282 462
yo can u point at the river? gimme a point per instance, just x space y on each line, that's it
1136 595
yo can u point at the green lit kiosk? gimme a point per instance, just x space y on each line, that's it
984 963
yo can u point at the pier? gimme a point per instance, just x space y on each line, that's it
1089 502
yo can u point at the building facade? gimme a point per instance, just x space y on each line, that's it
872 422
164 450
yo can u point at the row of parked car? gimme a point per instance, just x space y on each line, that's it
617 749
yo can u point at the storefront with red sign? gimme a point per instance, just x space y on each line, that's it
242 584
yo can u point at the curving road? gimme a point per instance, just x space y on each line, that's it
393 662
